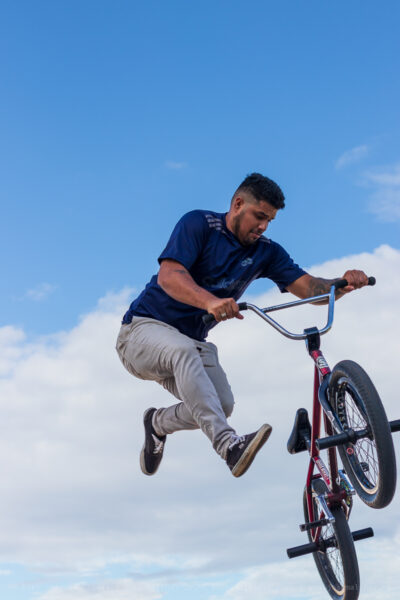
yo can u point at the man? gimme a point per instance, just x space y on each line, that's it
208 263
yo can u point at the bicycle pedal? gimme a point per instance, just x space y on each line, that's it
313 524
364 466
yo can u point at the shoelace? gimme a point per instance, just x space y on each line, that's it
158 445
236 439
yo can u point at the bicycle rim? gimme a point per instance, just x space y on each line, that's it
370 463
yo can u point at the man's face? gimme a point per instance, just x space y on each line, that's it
248 219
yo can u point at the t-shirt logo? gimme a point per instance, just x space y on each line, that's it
246 262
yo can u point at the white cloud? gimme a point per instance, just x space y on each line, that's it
275 581
352 156
40 292
385 200
385 204
379 562
388 177
121 589
12 342
73 496
174 165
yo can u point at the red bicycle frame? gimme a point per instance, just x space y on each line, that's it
330 475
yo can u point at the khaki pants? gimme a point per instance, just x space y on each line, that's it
190 370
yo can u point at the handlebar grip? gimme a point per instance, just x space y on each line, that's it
341 283
208 319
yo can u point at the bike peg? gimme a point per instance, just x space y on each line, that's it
360 534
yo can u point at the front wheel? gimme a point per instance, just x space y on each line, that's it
370 463
337 560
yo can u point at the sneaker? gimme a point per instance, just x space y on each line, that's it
242 450
153 447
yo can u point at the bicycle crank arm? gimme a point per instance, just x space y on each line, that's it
296 551
323 505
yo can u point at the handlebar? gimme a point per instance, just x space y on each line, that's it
343 282
262 312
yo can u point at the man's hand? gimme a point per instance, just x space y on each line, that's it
223 309
177 282
355 279
307 285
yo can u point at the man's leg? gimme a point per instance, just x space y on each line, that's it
153 350
178 417
172 359
209 356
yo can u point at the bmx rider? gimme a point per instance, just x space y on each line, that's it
209 261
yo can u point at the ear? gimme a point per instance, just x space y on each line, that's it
238 202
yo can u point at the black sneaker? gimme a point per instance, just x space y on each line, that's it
242 450
153 447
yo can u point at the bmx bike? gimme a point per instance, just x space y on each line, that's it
355 424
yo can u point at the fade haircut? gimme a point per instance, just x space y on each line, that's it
262 189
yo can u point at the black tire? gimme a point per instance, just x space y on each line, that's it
370 463
337 564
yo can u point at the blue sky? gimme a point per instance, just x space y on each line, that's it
115 119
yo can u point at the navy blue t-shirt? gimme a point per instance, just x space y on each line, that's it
219 263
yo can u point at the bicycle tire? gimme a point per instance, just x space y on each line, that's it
370 463
337 565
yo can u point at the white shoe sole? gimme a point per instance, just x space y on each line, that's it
250 453
142 461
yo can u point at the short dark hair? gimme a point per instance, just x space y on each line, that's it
262 189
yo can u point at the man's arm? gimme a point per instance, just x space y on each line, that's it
177 282
307 285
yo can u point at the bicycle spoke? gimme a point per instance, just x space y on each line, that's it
334 557
365 449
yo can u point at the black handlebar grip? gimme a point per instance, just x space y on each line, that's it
343 282
340 284
208 319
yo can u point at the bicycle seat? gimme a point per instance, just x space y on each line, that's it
300 432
